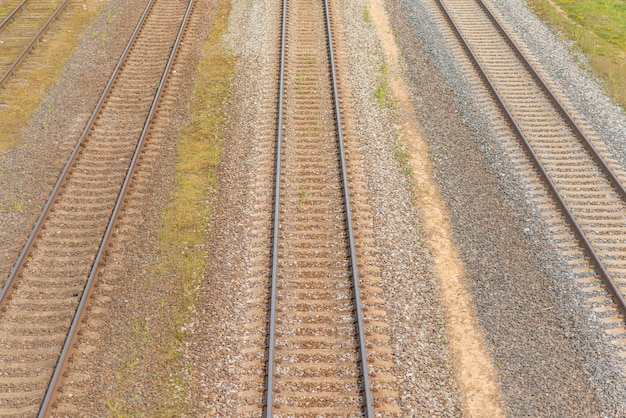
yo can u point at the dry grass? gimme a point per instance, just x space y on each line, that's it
597 29
153 357
20 97
185 220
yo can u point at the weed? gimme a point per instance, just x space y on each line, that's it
366 13
113 406
130 362
304 197
401 155
383 91
380 93
310 58
18 204
300 79
453 378
109 17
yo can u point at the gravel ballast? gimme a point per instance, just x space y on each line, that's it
29 171
414 313
425 382
218 337
128 298
554 358
551 355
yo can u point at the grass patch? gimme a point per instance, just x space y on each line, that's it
18 204
183 233
304 197
299 83
20 100
597 29
383 91
186 219
401 155
367 17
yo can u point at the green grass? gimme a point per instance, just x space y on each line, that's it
382 92
367 17
598 30
401 155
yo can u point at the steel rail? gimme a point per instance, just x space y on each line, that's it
80 311
269 380
7 289
13 13
346 194
32 42
355 278
618 296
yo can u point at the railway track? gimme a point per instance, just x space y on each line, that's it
46 294
21 27
316 355
574 168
